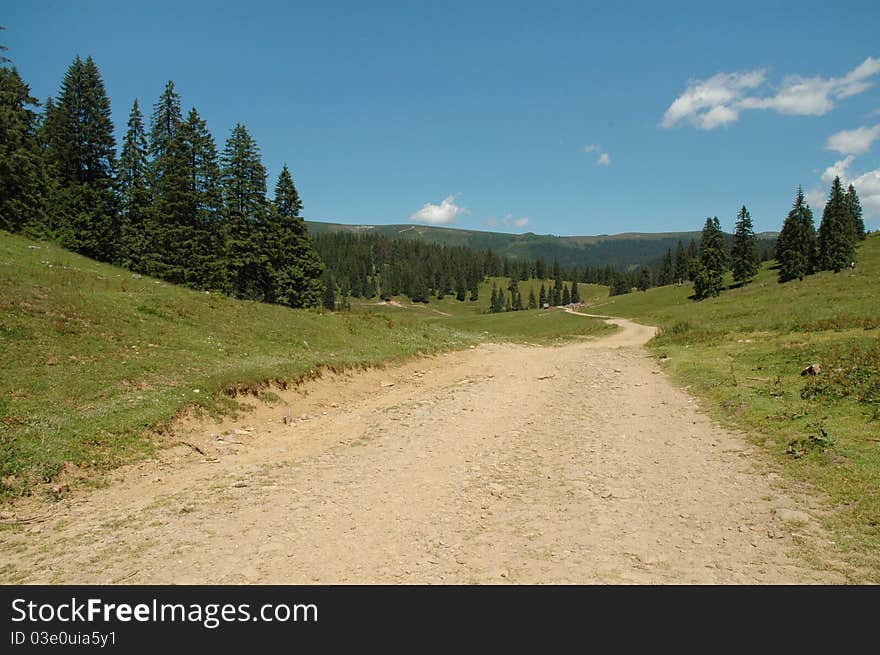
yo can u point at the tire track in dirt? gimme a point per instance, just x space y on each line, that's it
503 463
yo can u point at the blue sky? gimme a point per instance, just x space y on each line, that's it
551 117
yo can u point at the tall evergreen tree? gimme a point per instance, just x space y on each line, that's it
133 192
837 233
744 254
542 297
167 118
796 247
566 295
244 201
81 156
713 261
575 293
22 176
533 302
855 211
296 266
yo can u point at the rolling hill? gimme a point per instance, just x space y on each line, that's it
622 251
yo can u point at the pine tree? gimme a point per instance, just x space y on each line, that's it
744 255
81 157
296 266
329 296
665 274
644 278
566 295
133 193
533 303
22 176
837 233
245 206
680 269
475 292
167 118
796 247
542 297
713 261
855 211
575 294
460 289
493 301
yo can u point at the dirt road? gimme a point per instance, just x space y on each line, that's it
501 464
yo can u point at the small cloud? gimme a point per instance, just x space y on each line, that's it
854 142
442 214
815 199
593 147
507 221
837 169
604 160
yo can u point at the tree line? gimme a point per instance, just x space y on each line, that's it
799 251
169 204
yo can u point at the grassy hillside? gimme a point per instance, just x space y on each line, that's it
619 250
93 357
744 351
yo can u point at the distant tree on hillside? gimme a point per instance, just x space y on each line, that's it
713 261
855 211
744 255
533 303
680 269
575 294
329 299
542 296
797 247
566 295
837 232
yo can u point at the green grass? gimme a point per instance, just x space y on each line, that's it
93 357
531 326
744 351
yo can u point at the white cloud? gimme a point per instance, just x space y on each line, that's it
720 100
703 97
442 214
604 158
507 221
867 185
854 142
837 169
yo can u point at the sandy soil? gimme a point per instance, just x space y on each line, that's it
500 464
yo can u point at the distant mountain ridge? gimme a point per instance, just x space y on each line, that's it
622 251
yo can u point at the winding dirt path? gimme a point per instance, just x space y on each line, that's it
503 463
